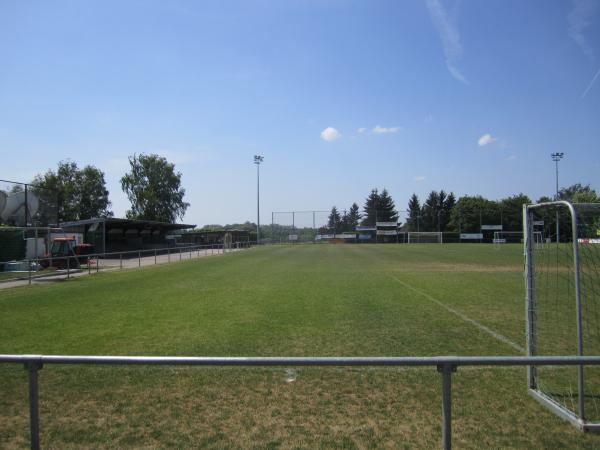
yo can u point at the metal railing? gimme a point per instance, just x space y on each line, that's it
446 365
92 261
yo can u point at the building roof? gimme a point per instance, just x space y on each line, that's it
113 222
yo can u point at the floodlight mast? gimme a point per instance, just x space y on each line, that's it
556 157
257 160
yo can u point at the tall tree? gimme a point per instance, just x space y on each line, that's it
353 218
334 222
429 212
447 208
387 209
414 214
371 209
578 193
72 193
511 209
154 189
471 212
92 194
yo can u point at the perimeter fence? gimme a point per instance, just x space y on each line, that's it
446 366
65 267
27 204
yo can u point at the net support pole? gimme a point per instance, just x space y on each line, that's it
529 294
576 268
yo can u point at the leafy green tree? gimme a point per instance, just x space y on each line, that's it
154 189
578 193
334 222
511 209
353 218
471 212
72 193
371 209
387 209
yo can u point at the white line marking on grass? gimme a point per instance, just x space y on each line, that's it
464 317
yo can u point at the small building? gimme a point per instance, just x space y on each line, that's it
118 235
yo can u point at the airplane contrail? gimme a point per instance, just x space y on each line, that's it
590 85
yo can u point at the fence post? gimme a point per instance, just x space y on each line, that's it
121 260
139 259
89 265
169 254
29 269
179 253
32 368
446 371
154 256
68 267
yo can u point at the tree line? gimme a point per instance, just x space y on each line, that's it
442 212
71 193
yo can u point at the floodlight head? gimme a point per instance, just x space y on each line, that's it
258 159
557 156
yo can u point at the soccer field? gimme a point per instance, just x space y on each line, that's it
304 300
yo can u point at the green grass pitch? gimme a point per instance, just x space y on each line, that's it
317 300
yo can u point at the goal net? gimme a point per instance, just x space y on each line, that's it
423 237
563 306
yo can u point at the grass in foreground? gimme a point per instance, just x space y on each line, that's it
304 300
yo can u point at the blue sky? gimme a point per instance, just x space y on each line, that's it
339 97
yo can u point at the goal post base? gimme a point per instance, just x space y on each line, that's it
564 413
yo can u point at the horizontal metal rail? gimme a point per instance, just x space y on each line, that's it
446 365
94 258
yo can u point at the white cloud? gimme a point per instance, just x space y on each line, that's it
450 37
486 139
383 130
361 130
419 178
579 20
330 134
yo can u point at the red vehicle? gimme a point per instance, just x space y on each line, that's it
65 252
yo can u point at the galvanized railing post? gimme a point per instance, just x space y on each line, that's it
120 260
169 255
179 253
154 256
68 267
32 368
139 259
29 269
446 371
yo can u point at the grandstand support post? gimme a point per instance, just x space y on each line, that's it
32 368
446 371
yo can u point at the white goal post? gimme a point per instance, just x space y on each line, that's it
563 306
425 237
